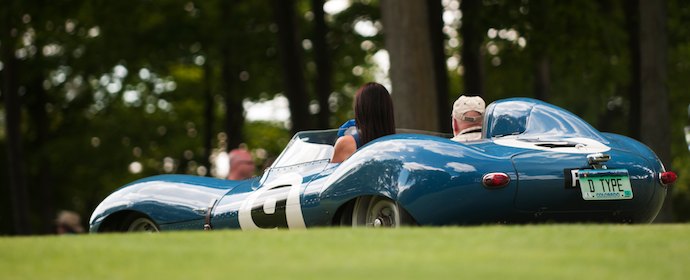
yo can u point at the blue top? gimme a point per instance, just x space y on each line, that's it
345 127
350 128
357 139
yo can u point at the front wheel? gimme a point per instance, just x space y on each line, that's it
378 212
142 224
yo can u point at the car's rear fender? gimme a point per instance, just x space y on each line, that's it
432 178
631 145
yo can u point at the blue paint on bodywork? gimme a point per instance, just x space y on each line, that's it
192 180
167 199
515 116
436 180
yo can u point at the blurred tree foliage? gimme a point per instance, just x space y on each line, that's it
113 91
678 71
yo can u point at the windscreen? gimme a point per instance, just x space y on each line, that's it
307 146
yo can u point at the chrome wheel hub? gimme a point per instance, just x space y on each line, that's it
376 212
142 225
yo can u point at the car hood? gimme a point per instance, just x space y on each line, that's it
181 195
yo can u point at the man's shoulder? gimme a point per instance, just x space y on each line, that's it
467 137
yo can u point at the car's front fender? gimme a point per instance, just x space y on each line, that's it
165 199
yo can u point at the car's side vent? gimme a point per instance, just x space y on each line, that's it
557 144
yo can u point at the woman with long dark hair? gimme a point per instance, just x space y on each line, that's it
373 117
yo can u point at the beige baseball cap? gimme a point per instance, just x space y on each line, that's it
465 104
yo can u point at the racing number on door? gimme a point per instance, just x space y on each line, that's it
269 212
276 205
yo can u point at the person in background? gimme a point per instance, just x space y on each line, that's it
68 222
241 164
468 114
373 119
687 130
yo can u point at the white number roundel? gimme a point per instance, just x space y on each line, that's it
275 205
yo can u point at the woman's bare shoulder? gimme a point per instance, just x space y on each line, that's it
345 146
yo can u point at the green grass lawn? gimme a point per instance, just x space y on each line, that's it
490 252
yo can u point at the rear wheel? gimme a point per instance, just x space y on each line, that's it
376 211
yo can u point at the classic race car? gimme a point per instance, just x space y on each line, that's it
535 163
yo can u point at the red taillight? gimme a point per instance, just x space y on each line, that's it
495 180
668 177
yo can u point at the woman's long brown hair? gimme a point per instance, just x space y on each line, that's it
374 112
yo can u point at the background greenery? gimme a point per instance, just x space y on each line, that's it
112 91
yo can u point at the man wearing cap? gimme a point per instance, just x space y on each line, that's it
468 113
241 164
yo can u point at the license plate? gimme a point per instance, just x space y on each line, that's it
605 184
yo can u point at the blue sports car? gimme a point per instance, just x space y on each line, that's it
535 163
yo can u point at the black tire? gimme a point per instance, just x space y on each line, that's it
139 223
344 215
377 211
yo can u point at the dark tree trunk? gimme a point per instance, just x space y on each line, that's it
542 80
472 37
291 60
412 72
323 64
233 102
45 189
540 18
10 92
209 118
632 20
234 112
655 116
435 11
